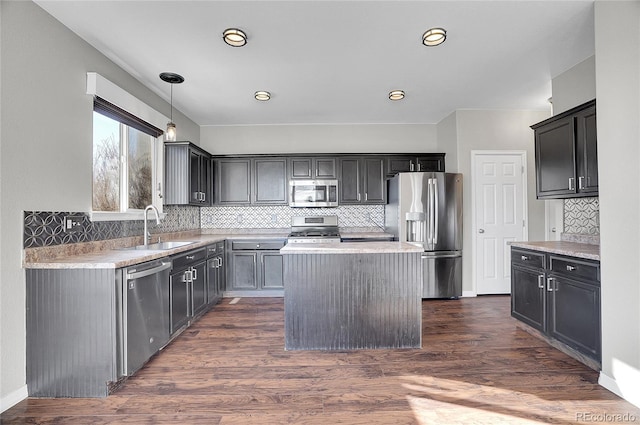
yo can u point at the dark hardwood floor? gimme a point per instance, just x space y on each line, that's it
475 367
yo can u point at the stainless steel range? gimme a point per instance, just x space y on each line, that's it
314 229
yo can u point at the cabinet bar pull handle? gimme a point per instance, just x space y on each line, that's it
419 167
572 183
541 281
194 273
190 257
358 197
524 258
550 284
366 197
570 268
220 261
411 166
581 182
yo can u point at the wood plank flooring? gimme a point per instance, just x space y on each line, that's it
475 367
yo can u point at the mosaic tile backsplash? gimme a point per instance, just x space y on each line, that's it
582 216
279 216
44 228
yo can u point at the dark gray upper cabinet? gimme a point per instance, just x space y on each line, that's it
270 181
312 168
408 163
566 154
362 180
188 175
233 181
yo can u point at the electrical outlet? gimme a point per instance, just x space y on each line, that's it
239 218
274 218
72 224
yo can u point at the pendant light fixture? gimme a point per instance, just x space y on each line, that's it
171 78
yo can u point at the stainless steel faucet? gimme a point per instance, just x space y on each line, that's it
147 235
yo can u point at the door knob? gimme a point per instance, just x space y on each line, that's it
481 231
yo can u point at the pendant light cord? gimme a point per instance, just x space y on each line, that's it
171 102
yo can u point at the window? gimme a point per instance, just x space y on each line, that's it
126 154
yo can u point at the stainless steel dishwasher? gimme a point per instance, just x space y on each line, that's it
145 325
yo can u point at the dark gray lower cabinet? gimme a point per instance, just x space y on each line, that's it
215 272
560 297
255 267
188 287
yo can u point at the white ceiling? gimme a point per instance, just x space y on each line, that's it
336 61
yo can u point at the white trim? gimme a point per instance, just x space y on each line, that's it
469 294
13 398
632 395
97 85
474 231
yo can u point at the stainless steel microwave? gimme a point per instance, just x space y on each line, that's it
313 193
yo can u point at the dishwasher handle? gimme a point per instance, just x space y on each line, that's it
144 273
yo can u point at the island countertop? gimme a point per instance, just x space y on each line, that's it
350 248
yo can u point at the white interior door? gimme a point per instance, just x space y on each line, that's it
553 218
499 184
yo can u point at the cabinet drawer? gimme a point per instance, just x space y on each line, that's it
188 258
575 268
216 248
527 258
256 245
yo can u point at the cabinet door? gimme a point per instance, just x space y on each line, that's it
400 164
198 288
574 314
555 158
587 152
206 180
243 271
324 168
433 163
212 280
233 181
528 297
195 194
271 265
270 181
374 182
350 180
179 295
300 168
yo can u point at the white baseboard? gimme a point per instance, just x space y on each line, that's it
631 395
469 294
13 398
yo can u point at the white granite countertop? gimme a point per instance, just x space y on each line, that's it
110 254
119 257
351 248
571 249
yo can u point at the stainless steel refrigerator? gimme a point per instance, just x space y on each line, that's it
425 209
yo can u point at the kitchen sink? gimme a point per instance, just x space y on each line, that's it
158 246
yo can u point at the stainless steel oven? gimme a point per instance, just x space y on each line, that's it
313 193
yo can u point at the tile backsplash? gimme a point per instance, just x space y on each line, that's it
45 228
279 216
582 216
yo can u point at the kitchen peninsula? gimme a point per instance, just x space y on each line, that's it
352 295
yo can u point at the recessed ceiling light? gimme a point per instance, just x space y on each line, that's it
262 96
434 37
234 37
396 95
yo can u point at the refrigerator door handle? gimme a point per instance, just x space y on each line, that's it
436 212
427 221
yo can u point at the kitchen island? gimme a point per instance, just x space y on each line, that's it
352 295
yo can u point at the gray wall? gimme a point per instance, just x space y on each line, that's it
496 130
347 138
618 94
447 131
45 149
574 86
